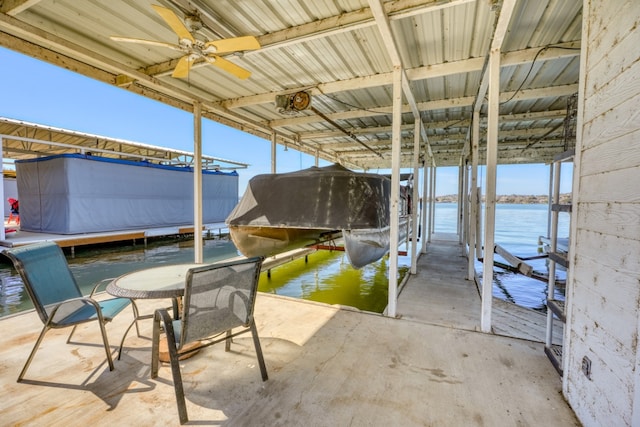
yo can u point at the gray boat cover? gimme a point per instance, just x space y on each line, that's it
331 198
74 193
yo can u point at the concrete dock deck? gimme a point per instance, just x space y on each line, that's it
327 367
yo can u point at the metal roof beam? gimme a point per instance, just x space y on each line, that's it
466 101
560 51
13 7
349 21
317 136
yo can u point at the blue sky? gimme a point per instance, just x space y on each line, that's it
38 92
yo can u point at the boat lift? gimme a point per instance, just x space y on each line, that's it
518 264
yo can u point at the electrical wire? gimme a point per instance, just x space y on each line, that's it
533 64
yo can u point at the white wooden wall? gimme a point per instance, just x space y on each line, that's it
604 278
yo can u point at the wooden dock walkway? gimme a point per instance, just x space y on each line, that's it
439 294
326 365
22 237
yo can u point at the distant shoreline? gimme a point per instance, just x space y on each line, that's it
517 199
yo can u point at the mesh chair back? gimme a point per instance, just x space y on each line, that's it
46 276
219 297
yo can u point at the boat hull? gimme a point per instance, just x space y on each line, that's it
268 241
365 246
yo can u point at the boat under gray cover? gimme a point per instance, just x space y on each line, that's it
279 212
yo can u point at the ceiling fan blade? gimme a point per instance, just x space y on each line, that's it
174 22
228 66
143 41
182 68
233 44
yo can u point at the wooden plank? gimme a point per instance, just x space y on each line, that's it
616 186
606 288
557 207
559 258
610 44
524 323
514 261
620 153
612 218
557 307
599 130
96 239
613 286
609 375
622 86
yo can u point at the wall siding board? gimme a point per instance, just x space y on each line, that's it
590 398
615 186
621 88
600 17
613 218
620 254
603 282
609 51
618 333
620 153
626 116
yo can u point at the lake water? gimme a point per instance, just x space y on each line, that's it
323 276
518 228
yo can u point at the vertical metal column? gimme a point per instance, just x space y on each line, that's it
395 190
425 205
432 201
473 220
2 233
553 240
464 199
273 151
490 199
197 183
414 200
550 200
459 223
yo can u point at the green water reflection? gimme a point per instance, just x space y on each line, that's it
329 278
324 276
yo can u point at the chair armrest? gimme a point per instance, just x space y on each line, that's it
245 300
56 307
100 283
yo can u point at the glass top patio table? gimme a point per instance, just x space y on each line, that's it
166 281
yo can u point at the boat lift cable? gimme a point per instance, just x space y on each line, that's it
346 132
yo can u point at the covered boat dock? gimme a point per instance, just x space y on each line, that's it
373 84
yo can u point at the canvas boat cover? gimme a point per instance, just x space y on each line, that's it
77 193
329 198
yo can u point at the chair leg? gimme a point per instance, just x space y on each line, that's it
173 358
177 381
228 341
155 345
135 322
256 343
33 353
71 334
105 340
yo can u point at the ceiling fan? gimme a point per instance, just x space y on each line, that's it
196 48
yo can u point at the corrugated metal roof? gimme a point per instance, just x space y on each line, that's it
23 140
335 50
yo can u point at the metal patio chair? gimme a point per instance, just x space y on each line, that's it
57 297
218 298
